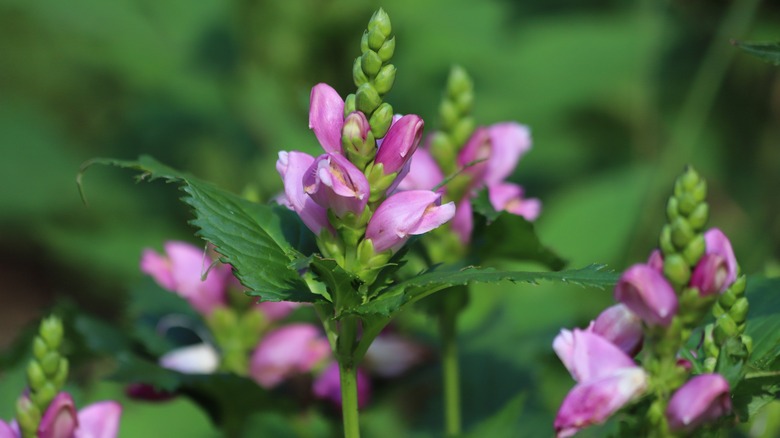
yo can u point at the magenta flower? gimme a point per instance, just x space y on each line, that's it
335 183
646 292
400 143
98 420
406 213
500 146
326 117
621 327
181 270
717 269
276 310
702 399
509 197
656 261
192 359
588 356
594 401
286 351
463 222
327 386
424 173
292 166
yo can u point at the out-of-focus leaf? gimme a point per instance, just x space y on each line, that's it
259 241
504 423
409 291
769 52
505 235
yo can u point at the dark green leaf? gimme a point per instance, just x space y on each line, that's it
505 422
769 52
763 324
259 241
409 291
731 361
754 392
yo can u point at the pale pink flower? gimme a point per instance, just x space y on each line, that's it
646 292
702 399
286 351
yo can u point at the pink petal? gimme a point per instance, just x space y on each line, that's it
292 167
276 310
59 420
620 326
188 266
6 431
656 261
588 356
647 293
326 117
404 214
400 143
289 350
159 268
509 142
424 173
99 420
335 183
509 197
702 399
463 221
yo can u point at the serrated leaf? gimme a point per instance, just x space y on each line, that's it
509 236
406 292
259 241
763 323
769 52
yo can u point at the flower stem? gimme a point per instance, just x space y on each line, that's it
450 370
349 400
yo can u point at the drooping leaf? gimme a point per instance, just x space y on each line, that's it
505 235
259 241
438 278
769 52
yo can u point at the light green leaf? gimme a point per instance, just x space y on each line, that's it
406 292
259 241
769 52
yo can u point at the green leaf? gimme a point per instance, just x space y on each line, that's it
406 292
763 323
259 241
506 422
769 52
505 235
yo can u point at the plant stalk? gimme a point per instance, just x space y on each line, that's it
448 320
349 400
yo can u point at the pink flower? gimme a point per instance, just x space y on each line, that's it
181 270
326 117
509 197
404 214
647 293
292 166
98 420
656 261
391 355
424 173
588 356
276 310
621 327
500 146
335 183
292 349
463 221
193 359
327 386
594 401
702 399
717 269
400 143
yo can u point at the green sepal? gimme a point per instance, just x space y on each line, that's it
370 63
694 250
665 241
387 50
349 104
358 77
676 269
28 415
698 217
367 99
682 233
380 22
381 120
51 331
383 81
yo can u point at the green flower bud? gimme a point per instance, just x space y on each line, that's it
464 102
739 310
222 320
689 179
367 99
738 288
725 327
357 73
694 250
717 310
449 114
700 192
672 209
43 396
50 362
370 63
698 217
28 415
365 251
364 42
386 51
665 241
331 246
380 22
462 131
349 104
51 331
62 373
381 120
384 79
710 363
682 233
252 324
375 39
748 342
443 151
727 299
39 347
687 203
459 82
676 269
36 378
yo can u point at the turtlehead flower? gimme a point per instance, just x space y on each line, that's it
335 183
607 380
500 147
61 420
656 261
646 292
594 401
463 221
621 327
327 386
193 359
181 269
276 310
510 197
702 399
286 351
424 173
326 117
291 167
404 214
400 143
717 269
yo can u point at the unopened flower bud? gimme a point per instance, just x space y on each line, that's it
381 120
358 76
404 214
620 326
725 327
462 130
687 203
386 51
349 104
384 79
49 363
380 21
51 331
400 143
665 241
326 116
672 209
681 232
739 310
710 275
60 419
367 99
702 399
695 249
676 269
646 293
370 63
375 39
698 217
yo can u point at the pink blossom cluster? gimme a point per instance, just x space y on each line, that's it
62 420
600 358
331 182
488 158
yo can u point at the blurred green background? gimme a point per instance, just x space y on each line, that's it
619 96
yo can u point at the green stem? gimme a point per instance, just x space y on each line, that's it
450 369
349 400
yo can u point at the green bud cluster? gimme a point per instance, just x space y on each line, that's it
682 240
730 312
457 125
46 375
374 75
236 334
